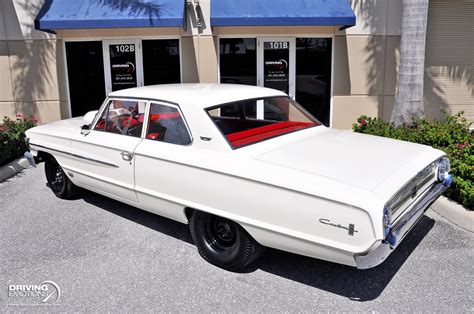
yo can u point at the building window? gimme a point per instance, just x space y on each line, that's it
161 61
85 69
313 76
238 60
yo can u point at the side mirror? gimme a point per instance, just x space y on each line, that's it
89 117
85 129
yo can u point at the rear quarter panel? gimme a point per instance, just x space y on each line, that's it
172 177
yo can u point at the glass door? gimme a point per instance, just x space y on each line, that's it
276 64
313 76
85 71
161 61
122 64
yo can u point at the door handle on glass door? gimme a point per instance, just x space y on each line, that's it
126 156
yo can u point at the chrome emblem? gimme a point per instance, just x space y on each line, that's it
350 229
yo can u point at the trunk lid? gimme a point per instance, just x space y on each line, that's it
359 160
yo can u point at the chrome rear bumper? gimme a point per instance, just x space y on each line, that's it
381 249
31 159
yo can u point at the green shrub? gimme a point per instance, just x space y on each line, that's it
453 136
12 132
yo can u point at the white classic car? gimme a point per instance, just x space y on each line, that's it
246 167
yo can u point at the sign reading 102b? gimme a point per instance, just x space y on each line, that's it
279 45
123 67
125 48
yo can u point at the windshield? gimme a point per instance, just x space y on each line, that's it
250 121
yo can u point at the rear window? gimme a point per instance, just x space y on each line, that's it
250 121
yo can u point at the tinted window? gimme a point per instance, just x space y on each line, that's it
167 125
85 70
238 60
123 66
276 65
161 61
313 76
122 117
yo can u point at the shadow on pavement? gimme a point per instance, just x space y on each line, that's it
144 218
355 284
358 285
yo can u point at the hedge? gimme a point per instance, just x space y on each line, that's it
453 136
12 133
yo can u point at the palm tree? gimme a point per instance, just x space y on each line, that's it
409 92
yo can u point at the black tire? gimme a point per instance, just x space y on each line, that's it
58 182
223 242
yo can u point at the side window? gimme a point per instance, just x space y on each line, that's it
122 117
167 125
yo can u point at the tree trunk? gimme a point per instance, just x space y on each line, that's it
409 93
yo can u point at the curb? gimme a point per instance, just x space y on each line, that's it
455 213
12 168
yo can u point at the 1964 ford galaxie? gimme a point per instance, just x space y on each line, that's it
246 167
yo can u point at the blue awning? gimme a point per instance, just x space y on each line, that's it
70 14
281 13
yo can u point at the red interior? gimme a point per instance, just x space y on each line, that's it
153 117
246 137
153 136
125 120
166 115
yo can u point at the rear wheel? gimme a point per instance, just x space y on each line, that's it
58 182
222 242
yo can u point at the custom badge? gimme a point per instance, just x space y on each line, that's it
350 229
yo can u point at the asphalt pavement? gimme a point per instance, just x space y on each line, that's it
107 256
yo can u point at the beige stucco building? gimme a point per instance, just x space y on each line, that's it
336 74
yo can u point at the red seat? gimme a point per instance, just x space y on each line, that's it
130 120
153 136
242 138
164 116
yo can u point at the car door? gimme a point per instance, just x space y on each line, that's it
105 155
158 172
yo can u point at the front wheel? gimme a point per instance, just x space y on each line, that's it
58 182
222 242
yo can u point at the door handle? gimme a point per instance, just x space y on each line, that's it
127 156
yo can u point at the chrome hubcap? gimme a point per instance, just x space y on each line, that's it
224 230
57 178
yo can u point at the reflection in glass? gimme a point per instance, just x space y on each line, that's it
276 65
313 76
161 61
123 67
251 121
85 69
238 60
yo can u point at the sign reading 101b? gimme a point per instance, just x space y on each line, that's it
278 45
276 67
122 66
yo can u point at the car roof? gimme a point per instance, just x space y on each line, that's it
203 95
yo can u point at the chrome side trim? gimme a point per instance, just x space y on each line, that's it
105 180
77 156
381 249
